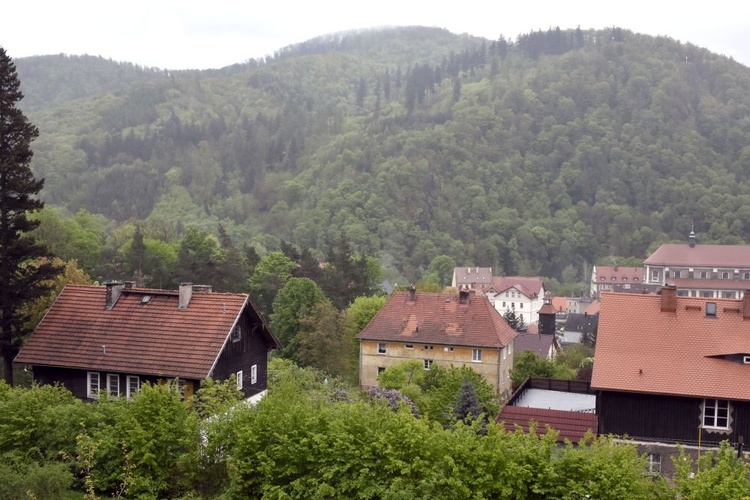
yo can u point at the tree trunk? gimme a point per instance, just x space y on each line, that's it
8 369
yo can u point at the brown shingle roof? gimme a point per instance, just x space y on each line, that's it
153 338
642 349
676 254
469 275
534 342
530 287
437 318
570 425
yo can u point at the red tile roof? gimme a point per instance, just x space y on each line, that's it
593 308
709 284
633 274
571 425
151 338
437 318
530 287
642 349
560 304
681 254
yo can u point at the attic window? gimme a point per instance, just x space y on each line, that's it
711 309
624 278
236 333
145 299
601 279
635 279
746 360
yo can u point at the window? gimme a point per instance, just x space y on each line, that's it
654 275
676 274
746 276
601 279
92 382
428 347
113 385
239 380
716 413
409 346
624 278
614 278
704 274
253 374
427 364
746 360
381 369
236 333
382 347
476 355
725 275
520 305
504 304
635 279
507 294
711 309
133 386
654 463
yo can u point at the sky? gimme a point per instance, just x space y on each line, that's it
192 34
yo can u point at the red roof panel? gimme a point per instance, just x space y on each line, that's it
570 425
151 337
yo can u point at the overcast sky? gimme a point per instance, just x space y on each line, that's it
182 34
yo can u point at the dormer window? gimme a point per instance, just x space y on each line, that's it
614 279
676 274
624 278
635 279
710 309
746 360
704 274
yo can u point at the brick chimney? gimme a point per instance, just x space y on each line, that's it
129 285
463 297
746 305
113 292
412 293
186 293
669 298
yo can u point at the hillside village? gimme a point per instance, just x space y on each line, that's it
454 277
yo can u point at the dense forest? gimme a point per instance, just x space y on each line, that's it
535 156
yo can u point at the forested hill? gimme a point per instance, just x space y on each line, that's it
527 155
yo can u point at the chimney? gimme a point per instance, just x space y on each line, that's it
412 293
129 285
463 297
669 298
113 292
746 305
186 293
203 288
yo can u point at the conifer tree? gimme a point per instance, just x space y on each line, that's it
22 275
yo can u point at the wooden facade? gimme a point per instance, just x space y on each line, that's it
665 418
241 355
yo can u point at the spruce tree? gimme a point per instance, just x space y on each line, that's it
22 274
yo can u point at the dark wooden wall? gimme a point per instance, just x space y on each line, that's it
251 349
666 418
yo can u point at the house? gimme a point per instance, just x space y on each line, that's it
568 406
560 304
579 325
672 369
619 279
111 339
521 294
708 271
544 345
447 329
471 278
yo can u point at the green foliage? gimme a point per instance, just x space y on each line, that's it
269 276
530 364
324 342
440 270
362 310
22 480
296 300
719 475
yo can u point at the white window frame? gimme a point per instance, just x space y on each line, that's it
428 364
91 391
654 463
408 346
236 333
113 386
746 360
476 355
129 385
711 408
239 380
253 374
382 347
